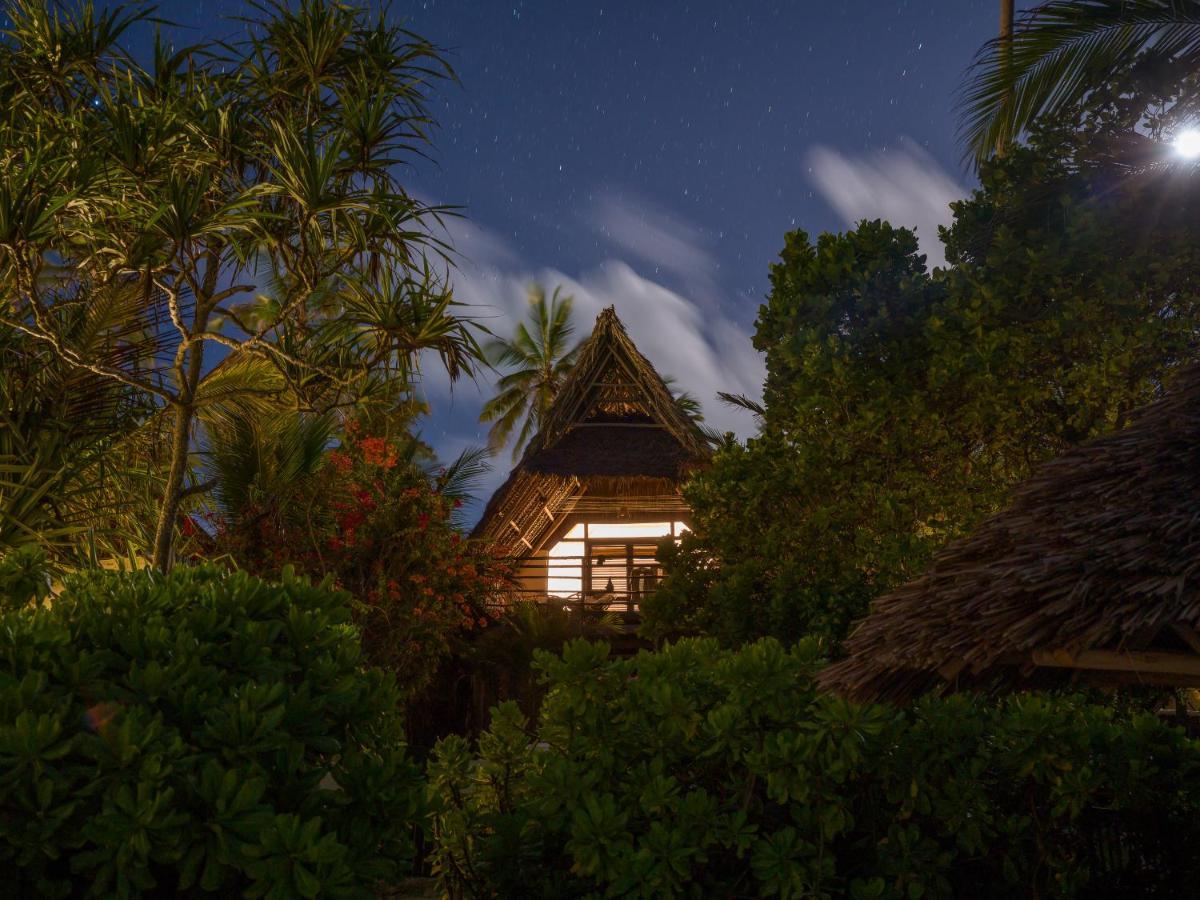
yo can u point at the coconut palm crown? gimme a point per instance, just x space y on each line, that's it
1059 52
536 361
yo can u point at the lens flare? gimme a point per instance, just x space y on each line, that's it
1187 144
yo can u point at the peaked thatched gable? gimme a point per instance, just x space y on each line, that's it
1092 573
614 431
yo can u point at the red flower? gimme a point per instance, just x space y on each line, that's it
340 461
377 452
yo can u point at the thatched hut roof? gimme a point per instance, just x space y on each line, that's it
1091 574
614 431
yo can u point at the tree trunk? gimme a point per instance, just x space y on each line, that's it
187 375
1006 26
164 532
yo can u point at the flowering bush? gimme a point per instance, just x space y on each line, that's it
377 524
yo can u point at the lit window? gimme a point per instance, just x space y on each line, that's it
629 529
564 572
622 554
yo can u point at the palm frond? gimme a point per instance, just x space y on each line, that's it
539 356
460 479
741 401
255 460
1058 53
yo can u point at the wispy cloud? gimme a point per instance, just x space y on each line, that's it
665 244
650 233
904 185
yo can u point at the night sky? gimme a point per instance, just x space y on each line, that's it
653 154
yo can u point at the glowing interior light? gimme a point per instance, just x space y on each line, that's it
1187 143
628 529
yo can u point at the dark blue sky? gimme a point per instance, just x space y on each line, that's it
652 155
708 109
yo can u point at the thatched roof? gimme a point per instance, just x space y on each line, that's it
614 430
619 446
1091 574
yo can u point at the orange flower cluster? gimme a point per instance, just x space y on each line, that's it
383 531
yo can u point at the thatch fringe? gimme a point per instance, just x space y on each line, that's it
1092 572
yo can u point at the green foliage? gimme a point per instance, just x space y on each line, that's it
804 523
245 194
24 577
199 732
901 407
75 477
701 772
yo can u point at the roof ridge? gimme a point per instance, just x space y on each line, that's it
610 343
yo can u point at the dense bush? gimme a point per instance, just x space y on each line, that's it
197 733
383 529
701 772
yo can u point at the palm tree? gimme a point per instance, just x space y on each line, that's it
1062 50
539 359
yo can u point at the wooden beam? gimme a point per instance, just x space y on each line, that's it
517 528
1133 662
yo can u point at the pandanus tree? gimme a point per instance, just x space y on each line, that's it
535 362
76 472
248 194
1061 51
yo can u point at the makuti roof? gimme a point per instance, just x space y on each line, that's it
1092 573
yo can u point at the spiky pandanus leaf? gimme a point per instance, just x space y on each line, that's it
77 449
206 174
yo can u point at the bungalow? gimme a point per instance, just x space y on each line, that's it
598 487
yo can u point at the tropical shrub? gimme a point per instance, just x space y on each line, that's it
384 530
197 733
701 772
